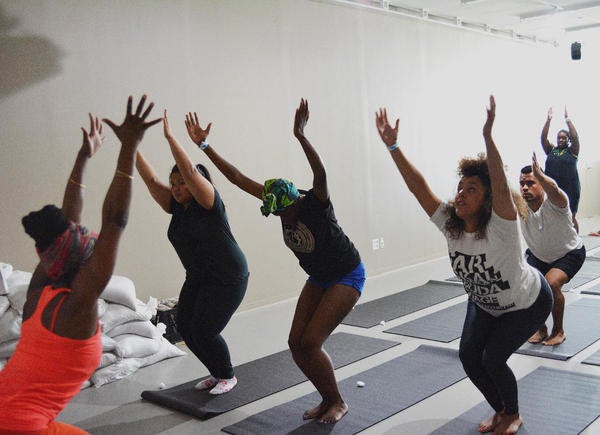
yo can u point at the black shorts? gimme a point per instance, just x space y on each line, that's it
569 264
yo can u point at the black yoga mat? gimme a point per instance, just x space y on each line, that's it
551 401
588 272
582 328
405 302
443 325
262 377
389 388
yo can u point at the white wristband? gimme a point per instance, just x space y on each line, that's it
203 145
393 147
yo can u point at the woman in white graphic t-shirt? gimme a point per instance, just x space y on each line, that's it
508 299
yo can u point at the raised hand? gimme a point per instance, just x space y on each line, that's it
566 114
491 115
166 125
549 117
195 131
92 140
537 171
301 118
132 129
388 135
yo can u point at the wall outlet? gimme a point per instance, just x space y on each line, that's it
381 243
375 244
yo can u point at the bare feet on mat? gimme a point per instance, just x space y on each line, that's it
509 425
334 413
315 412
490 424
555 339
539 336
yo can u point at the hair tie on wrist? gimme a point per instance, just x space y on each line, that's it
203 145
393 147
83 186
123 174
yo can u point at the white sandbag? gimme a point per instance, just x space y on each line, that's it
134 346
8 348
148 310
10 325
143 328
167 350
5 271
120 290
17 285
4 304
114 372
109 345
107 359
117 314
101 304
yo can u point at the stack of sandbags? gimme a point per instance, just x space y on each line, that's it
129 340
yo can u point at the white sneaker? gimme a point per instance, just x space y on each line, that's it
224 386
207 383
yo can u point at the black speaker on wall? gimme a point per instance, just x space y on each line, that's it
576 51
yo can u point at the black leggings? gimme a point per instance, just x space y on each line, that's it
203 311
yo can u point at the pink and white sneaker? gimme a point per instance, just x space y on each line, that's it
224 386
207 383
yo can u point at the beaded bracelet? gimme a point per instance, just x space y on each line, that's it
203 145
393 147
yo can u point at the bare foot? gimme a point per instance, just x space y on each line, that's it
315 412
555 339
490 424
509 425
334 413
539 336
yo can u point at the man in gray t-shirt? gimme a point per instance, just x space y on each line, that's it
555 248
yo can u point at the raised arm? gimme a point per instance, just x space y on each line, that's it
233 174
414 180
546 145
572 135
316 165
502 201
92 277
158 190
72 204
555 194
200 188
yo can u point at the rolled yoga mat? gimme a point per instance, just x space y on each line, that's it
582 328
388 389
443 325
262 377
405 302
551 401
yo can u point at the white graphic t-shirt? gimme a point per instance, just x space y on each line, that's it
493 270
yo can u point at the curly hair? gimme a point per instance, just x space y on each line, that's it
472 167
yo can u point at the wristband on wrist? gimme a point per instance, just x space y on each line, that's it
203 145
393 147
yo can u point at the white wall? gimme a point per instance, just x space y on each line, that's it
244 65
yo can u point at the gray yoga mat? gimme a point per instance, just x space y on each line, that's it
581 325
443 325
262 377
405 302
588 272
590 242
593 290
389 388
551 401
593 359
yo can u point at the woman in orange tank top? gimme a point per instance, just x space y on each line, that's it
60 344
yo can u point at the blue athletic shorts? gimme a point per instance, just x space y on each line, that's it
355 279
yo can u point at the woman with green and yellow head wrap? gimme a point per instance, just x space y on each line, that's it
336 274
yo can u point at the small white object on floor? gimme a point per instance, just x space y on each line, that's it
382 322
162 386
360 384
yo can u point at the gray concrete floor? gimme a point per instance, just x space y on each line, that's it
118 409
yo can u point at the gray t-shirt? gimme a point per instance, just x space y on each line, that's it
493 270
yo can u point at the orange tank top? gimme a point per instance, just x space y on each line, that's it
45 371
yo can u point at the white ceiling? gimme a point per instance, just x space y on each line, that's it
551 21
